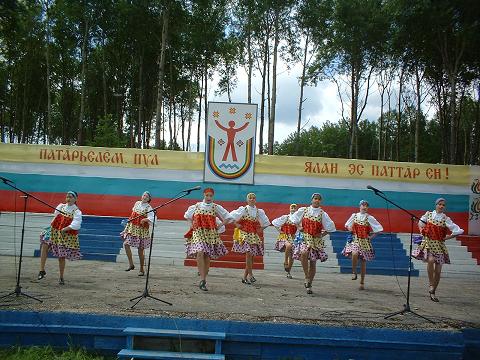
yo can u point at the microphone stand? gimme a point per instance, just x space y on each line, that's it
413 217
18 289
146 293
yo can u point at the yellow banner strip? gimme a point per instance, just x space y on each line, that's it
264 164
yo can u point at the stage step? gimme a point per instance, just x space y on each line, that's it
166 355
473 245
187 334
147 343
390 255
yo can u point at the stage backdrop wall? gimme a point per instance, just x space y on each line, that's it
110 180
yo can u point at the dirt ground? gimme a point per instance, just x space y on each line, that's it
104 287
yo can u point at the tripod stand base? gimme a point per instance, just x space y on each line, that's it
147 295
406 309
17 292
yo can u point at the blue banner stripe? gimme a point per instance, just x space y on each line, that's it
230 192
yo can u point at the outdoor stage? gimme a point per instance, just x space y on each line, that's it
105 288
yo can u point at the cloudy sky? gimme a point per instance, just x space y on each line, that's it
322 102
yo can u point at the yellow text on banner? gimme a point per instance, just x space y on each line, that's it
363 169
95 156
264 164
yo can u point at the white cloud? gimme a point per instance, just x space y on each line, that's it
321 103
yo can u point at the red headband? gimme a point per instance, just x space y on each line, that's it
209 190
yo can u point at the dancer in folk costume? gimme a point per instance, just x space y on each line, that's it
250 222
203 241
61 238
434 227
286 237
364 228
137 231
309 245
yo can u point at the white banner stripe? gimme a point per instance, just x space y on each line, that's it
196 176
356 184
102 172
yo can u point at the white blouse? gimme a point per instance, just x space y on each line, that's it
278 222
140 207
77 214
219 211
254 212
376 226
327 223
454 228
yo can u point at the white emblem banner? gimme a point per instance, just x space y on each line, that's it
230 142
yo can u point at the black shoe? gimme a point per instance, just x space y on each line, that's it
246 281
252 279
130 268
61 281
309 291
203 285
41 275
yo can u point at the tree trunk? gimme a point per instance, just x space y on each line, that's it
453 121
104 80
24 107
386 134
383 85
353 110
399 115
262 101
190 111
418 114
170 131
199 114
182 124
161 74
269 98
380 129
82 96
49 95
205 98
300 101
171 109
174 122
250 67
271 122
357 115
164 144
140 103
63 110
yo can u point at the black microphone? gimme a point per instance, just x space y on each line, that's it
374 190
5 180
192 189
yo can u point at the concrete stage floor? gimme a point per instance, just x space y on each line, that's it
105 288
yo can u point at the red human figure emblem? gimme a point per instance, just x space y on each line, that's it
231 133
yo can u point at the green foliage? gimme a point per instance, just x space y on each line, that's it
36 353
331 140
107 134
349 42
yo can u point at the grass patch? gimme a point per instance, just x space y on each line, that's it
47 353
